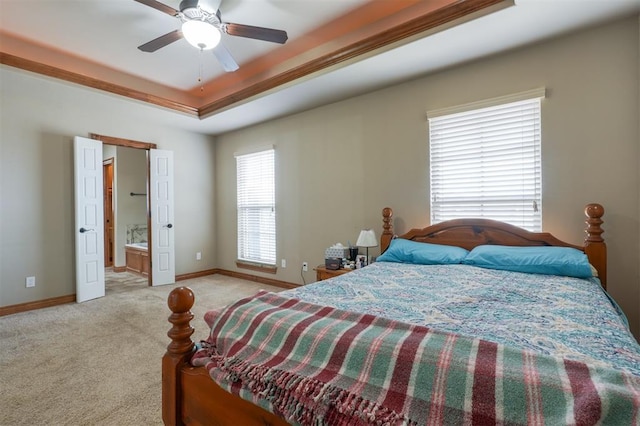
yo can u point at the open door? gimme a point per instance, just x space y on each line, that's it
161 206
89 219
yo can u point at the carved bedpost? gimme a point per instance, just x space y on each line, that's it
594 245
178 352
387 226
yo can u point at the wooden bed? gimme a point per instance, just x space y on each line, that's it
190 396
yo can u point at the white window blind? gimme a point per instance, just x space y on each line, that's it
256 207
486 163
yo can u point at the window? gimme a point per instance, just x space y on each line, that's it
485 161
256 208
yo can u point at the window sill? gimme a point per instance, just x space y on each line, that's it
260 267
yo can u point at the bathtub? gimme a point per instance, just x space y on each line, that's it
139 246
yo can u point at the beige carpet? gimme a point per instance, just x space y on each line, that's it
98 362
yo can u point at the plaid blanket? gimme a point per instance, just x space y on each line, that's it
316 365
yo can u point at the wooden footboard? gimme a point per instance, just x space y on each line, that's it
189 395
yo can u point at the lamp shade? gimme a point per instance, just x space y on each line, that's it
367 238
200 34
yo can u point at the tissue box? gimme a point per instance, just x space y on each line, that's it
336 252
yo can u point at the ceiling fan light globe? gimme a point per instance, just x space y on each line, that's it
200 34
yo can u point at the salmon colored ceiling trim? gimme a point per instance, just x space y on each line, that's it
317 42
371 28
376 25
34 51
369 20
50 71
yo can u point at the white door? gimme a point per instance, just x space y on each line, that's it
163 268
89 218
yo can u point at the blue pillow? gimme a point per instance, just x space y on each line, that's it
407 251
565 261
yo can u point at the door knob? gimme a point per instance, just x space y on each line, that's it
169 226
83 230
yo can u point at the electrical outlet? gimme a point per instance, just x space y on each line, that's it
283 263
31 282
198 256
305 266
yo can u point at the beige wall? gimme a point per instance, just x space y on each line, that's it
38 119
337 166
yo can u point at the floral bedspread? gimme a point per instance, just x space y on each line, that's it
567 317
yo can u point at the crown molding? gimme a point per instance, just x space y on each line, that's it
370 29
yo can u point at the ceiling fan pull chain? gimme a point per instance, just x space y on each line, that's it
200 72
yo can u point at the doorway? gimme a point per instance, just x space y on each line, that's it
107 172
157 213
127 228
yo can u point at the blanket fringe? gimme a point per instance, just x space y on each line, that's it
304 400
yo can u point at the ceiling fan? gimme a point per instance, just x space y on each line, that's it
202 27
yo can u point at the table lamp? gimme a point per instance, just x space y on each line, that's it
367 238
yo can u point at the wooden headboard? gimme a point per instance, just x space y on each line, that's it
469 233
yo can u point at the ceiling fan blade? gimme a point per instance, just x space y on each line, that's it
159 6
161 41
224 57
258 33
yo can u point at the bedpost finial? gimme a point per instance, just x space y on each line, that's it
594 210
387 214
180 300
594 213
594 245
387 229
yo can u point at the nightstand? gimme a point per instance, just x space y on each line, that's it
323 273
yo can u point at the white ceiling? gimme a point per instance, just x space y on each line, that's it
108 32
